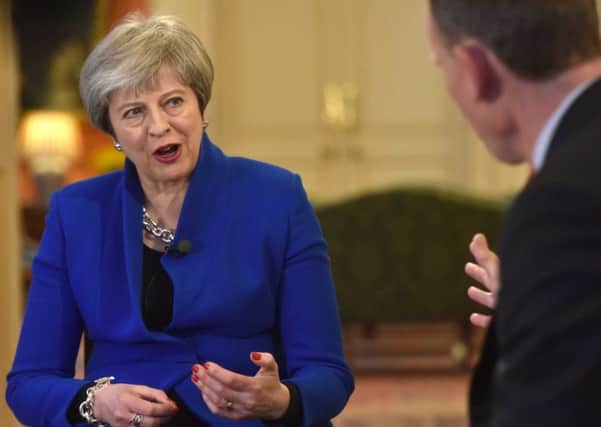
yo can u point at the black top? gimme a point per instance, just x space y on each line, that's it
157 312
157 292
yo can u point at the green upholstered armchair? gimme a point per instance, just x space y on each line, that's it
397 259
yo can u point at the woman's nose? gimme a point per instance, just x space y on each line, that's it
159 123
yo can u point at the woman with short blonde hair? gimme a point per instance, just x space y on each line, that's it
201 280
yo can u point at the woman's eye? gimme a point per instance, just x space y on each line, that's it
132 112
175 101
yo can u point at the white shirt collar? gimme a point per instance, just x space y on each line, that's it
546 134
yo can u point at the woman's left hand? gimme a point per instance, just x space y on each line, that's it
237 397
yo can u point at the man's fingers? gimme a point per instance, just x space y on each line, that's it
487 261
480 320
482 254
484 298
477 273
479 246
479 242
486 272
480 238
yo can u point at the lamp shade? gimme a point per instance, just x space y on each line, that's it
50 141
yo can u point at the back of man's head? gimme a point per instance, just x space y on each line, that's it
536 39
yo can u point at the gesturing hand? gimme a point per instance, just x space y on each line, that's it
485 271
237 397
118 404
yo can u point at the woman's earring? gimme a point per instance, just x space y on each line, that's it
117 146
205 124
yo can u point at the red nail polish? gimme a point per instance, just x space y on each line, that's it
195 368
206 365
255 355
195 378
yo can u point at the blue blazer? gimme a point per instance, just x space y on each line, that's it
257 278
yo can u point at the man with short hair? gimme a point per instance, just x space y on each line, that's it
526 75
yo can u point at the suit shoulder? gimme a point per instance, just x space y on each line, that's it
574 168
93 188
255 172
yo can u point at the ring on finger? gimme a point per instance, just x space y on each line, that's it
136 420
229 405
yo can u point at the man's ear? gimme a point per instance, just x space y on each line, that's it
480 70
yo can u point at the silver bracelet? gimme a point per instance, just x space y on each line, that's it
86 408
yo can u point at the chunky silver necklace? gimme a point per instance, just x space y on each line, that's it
150 225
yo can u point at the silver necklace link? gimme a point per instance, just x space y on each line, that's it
150 225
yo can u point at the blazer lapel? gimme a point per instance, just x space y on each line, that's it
201 223
203 194
133 198
203 205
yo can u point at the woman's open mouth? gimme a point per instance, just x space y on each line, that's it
167 153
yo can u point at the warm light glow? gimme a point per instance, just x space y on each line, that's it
50 141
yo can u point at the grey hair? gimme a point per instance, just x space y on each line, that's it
130 56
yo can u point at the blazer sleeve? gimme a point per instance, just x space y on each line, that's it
549 312
40 385
309 321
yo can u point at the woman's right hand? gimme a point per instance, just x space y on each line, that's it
485 271
117 405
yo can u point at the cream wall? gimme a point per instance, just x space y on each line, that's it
197 14
10 293
275 59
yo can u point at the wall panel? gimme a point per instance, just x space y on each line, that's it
10 261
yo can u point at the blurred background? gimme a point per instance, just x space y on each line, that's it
342 92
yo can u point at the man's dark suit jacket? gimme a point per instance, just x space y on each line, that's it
541 362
